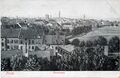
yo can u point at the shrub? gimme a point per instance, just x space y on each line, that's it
75 42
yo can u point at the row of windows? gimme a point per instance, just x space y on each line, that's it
16 47
31 42
2 44
12 41
21 41
2 39
12 47
33 47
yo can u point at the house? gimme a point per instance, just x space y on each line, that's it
67 26
9 38
65 51
25 39
53 24
30 39
54 39
3 44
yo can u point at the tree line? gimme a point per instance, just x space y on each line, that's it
113 44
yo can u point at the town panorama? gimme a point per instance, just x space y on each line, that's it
59 44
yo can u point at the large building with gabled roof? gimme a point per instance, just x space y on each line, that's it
25 39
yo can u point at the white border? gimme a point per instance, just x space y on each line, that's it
60 74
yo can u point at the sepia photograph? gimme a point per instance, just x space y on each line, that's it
60 35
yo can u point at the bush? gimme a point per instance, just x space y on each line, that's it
89 44
75 42
101 41
82 44
114 44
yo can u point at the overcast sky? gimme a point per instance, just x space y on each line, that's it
69 8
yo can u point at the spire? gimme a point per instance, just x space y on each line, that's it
59 14
84 17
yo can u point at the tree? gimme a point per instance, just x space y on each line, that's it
101 41
95 42
75 42
5 20
82 44
5 64
114 44
89 43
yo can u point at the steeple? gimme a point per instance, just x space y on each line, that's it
84 17
59 14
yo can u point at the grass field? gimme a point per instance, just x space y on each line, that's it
107 32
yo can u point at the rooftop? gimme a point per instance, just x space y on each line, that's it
21 33
68 48
10 33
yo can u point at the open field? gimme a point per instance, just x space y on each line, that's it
107 32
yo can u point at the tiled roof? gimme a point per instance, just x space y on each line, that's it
10 33
68 48
21 33
30 33
23 24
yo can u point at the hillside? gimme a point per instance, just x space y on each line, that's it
107 32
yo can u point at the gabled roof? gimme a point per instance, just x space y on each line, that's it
10 33
30 33
22 24
22 33
68 48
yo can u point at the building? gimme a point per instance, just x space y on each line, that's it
9 38
3 45
65 51
25 39
54 39
68 26
28 38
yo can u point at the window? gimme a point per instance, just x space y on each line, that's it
29 42
21 42
29 47
32 41
2 44
8 47
7 41
15 47
11 41
25 39
2 39
2 49
12 47
32 47
21 47
15 41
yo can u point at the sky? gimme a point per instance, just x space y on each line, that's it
99 9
